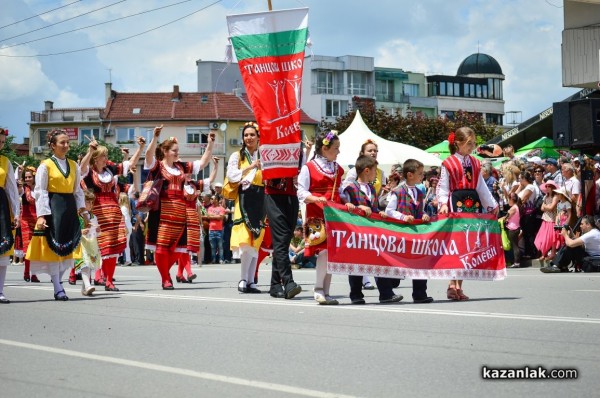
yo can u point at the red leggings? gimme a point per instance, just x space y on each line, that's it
184 263
108 269
164 261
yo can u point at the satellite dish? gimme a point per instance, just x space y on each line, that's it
223 126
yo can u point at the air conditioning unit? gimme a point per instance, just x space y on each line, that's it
37 149
235 142
214 125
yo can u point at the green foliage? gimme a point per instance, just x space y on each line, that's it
76 150
417 130
12 156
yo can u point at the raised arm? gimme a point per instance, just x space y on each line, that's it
138 152
152 147
85 161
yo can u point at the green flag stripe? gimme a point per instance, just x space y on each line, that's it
454 225
269 44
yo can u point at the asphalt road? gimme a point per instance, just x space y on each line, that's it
207 340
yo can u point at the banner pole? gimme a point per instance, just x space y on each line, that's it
270 5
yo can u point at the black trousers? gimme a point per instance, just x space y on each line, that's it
567 254
138 245
227 254
384 285
282 212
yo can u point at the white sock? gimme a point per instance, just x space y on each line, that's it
366 280
321 273
247 255
55 278
85 277
252 272
3 269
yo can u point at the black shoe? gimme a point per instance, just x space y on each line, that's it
250 289
60 298
425 300
358 301
292 290
111 288
394 299
277 293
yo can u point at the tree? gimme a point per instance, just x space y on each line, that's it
12 156
415 129
114 152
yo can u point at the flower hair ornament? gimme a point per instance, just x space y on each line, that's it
174 139
3 131
451 138
327 140
252 124
369 141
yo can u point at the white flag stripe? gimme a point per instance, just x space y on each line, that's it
267 22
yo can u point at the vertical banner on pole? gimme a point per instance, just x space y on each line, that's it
270 47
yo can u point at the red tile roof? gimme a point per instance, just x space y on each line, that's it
191 106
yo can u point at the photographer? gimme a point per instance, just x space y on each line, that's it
576 247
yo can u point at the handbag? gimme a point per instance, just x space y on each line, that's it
230 189
150 197
506 245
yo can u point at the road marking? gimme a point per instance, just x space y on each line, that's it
178 371
391 308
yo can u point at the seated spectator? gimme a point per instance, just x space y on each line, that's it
576 247
297 258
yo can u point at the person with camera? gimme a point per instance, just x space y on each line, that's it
577 246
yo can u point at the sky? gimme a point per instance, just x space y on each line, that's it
428 36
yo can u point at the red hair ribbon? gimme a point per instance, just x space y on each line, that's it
451 138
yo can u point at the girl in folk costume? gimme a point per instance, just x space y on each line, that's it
58 198
461 187
191 191
319 181
87 256
167 226
249 211
9 213
125 206
28 217
101 177
368 148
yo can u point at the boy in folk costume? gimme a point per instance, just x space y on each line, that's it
407 204
361 194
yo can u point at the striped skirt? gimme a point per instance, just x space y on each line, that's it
113 234
193 227
167 225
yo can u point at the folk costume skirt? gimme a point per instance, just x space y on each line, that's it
167 225
249 218
112 239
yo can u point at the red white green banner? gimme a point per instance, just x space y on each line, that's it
456 246
270 47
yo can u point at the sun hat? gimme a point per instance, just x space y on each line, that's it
563 192
544 186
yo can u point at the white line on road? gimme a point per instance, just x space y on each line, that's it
178 371
393 308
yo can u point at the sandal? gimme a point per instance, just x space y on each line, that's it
461 295
452 294
59 297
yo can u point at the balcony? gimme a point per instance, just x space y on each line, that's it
38 117
185 149
397 98
364 90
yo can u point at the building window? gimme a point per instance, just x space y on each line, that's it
410 89
456 89
485 91
125 134
335 108
196 135
450 89
43 137
478 90
442 88
88 132
324 82
493 118
357 83
449 114
385 90
466 89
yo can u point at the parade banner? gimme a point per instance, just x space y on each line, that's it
270 47
454 246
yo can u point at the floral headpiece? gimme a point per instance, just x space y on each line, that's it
251 124
369 141
3 131
451 138
30 169
174 139
327 140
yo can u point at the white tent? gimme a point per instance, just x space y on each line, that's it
390 152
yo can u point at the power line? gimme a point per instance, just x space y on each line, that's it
64 20
116 41
94 25
40 14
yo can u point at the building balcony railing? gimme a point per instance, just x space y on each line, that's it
38 117
185 149
356 89
398 98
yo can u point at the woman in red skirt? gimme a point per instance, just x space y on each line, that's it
191 191
28 217
167 226
100 177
